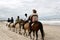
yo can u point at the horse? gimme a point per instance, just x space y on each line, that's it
26 29
35 28
18 28
8 24
11 26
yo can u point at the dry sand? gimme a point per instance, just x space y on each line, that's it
51 33
6 34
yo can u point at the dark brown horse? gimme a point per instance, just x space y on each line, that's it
34 28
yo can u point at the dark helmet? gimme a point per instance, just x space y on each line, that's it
17 16
34 11
12 20
8 20
26 14
11 17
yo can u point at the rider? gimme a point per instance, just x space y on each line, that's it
8 20
26 15
33 18
17 20
12 20
26 19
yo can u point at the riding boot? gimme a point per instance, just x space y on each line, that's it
23 26
30 28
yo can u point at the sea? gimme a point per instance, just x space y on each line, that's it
51 22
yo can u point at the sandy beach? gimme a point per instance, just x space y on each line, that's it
51 33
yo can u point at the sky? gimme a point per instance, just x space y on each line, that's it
45 8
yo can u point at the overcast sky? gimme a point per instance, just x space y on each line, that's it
14 8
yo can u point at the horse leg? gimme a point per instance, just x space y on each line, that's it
20 31
42 32
24 32
33 35
30 34
10 28
36 35
15 30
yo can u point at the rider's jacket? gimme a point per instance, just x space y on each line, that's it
34 17
26 18
8 20
17 20
12 20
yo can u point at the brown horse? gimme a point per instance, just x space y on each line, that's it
34 28
18 28
25 26
26 29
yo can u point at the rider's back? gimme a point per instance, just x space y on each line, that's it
34 16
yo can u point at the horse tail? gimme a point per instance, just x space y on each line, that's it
41 30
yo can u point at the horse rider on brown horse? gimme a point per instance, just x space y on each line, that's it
33 18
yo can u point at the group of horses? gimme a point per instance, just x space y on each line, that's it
27 31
